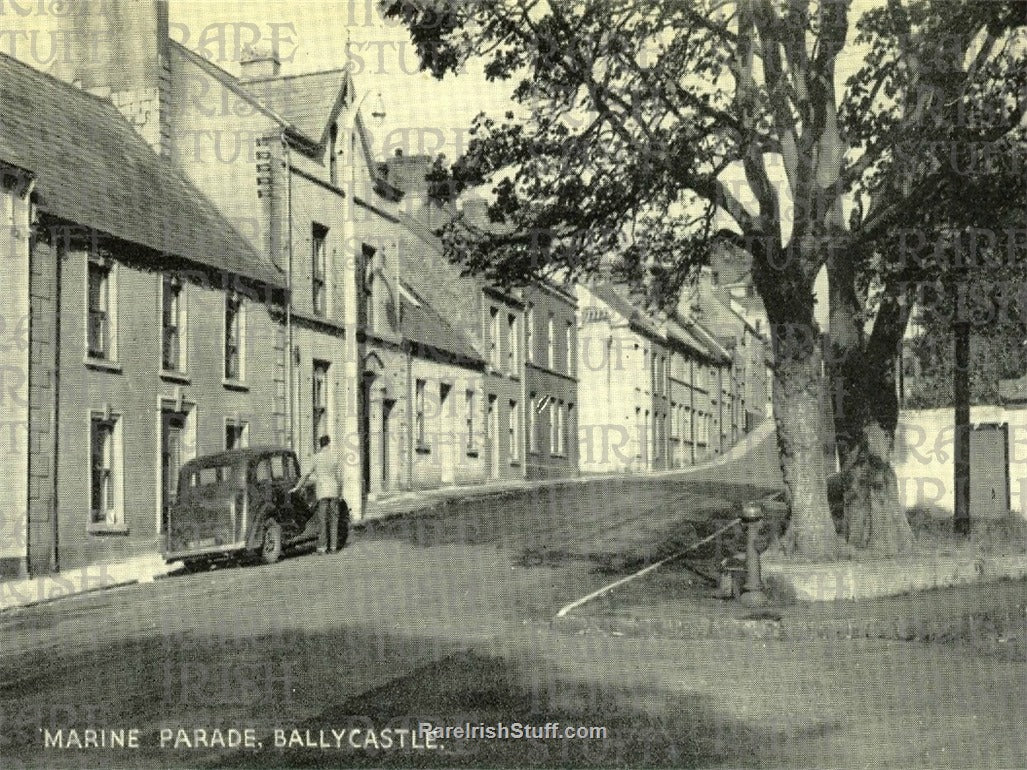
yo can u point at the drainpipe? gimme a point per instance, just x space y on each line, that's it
55 413
410 416
54 555
290 393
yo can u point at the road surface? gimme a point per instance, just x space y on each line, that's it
443 619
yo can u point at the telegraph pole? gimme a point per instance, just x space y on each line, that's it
961 394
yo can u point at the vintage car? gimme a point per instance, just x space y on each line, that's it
238 504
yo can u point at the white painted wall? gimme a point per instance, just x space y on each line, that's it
14 373
924 449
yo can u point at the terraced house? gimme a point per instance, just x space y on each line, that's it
424 380
201 260
649 386
526 336
658 391
144 325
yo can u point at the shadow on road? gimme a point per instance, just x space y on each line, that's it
350 677
616 524
642 728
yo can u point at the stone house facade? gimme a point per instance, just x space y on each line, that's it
150 337
650 387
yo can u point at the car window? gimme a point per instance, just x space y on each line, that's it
214 474
262 470
277 467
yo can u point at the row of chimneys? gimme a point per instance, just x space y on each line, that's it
120 52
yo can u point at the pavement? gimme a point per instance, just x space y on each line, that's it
856 580
28 592
679 604
143 568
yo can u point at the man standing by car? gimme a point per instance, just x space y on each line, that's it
324 471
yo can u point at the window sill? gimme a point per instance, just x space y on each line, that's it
515 463
422 449
103 365
472 452
173 376
558 455
107 529
235 385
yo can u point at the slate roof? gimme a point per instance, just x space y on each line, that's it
94 170
676 330
708 339
423 325
307 101
613 296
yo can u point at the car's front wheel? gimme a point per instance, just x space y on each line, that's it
271 542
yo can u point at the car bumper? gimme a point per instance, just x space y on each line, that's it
209 552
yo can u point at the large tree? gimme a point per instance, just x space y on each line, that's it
647 131
935 122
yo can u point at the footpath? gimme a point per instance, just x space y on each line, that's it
146 567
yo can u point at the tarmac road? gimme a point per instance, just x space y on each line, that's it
443 619
263 647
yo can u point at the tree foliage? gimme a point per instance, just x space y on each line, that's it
643 132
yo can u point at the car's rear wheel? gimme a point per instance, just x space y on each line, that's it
271 542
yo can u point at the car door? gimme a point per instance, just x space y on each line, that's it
280 498
300 511
262 493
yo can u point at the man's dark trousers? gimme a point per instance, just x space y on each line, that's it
328 524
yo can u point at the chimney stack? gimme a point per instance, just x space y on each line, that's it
409 173
259 63
120 51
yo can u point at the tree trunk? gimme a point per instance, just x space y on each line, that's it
874 515
866 409
867 416
798 413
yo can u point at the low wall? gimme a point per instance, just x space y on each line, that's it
891 577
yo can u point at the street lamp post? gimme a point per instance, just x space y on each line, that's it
961 396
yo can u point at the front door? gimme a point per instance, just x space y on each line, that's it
447 454
989 479
386 443
492 438
171 434
365 433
